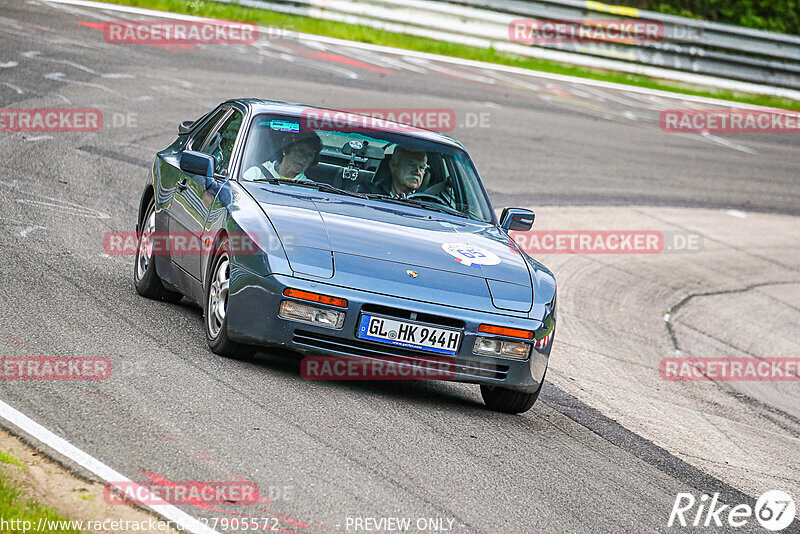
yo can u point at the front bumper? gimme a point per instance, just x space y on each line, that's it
254 301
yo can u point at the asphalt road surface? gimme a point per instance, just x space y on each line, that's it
328 453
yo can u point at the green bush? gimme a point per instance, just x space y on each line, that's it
772 15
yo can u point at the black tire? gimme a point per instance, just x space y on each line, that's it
145 277
508 400
215 304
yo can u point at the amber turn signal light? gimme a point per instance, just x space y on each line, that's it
315 297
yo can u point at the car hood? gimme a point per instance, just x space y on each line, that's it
370 241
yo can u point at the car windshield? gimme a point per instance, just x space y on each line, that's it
383 164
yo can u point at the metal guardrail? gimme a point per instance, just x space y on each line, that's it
688 45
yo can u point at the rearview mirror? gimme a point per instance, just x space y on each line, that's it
517 219
185 127
363 149
197 163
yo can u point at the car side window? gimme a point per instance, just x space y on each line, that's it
219 144
200 136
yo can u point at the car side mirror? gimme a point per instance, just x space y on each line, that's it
516 219
197 163
185 127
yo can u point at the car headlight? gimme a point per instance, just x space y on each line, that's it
306 313
497 347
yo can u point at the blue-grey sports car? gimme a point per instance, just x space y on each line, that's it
343 236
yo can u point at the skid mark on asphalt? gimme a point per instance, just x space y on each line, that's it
72 209
512 81
35 54
295 55
53 203
198 454
114 155
643 449
289 58
377 59
61 77
729 144
26 232
183 83
451 72
327 56
10 340
22 90
16 89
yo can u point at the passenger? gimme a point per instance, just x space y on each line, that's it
298 152
407 169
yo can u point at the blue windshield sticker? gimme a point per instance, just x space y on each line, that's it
285 126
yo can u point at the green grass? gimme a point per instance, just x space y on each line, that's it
7 458
14 508
365 34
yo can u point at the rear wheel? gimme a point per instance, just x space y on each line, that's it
216 308
145 277
508 400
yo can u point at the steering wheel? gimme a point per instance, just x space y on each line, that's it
428 197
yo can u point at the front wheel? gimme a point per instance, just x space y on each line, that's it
216 308
508 400
145 277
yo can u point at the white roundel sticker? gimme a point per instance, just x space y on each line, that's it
775 510
470 254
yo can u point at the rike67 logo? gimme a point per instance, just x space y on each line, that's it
775 510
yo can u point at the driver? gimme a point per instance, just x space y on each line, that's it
407 169
297 153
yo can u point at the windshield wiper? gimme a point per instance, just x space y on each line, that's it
320 186
327 188
418 203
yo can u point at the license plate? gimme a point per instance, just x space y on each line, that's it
408 334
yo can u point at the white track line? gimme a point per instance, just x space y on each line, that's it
62 446
433 57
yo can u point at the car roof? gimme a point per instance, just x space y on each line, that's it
257 105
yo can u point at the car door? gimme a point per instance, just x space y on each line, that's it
193 194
